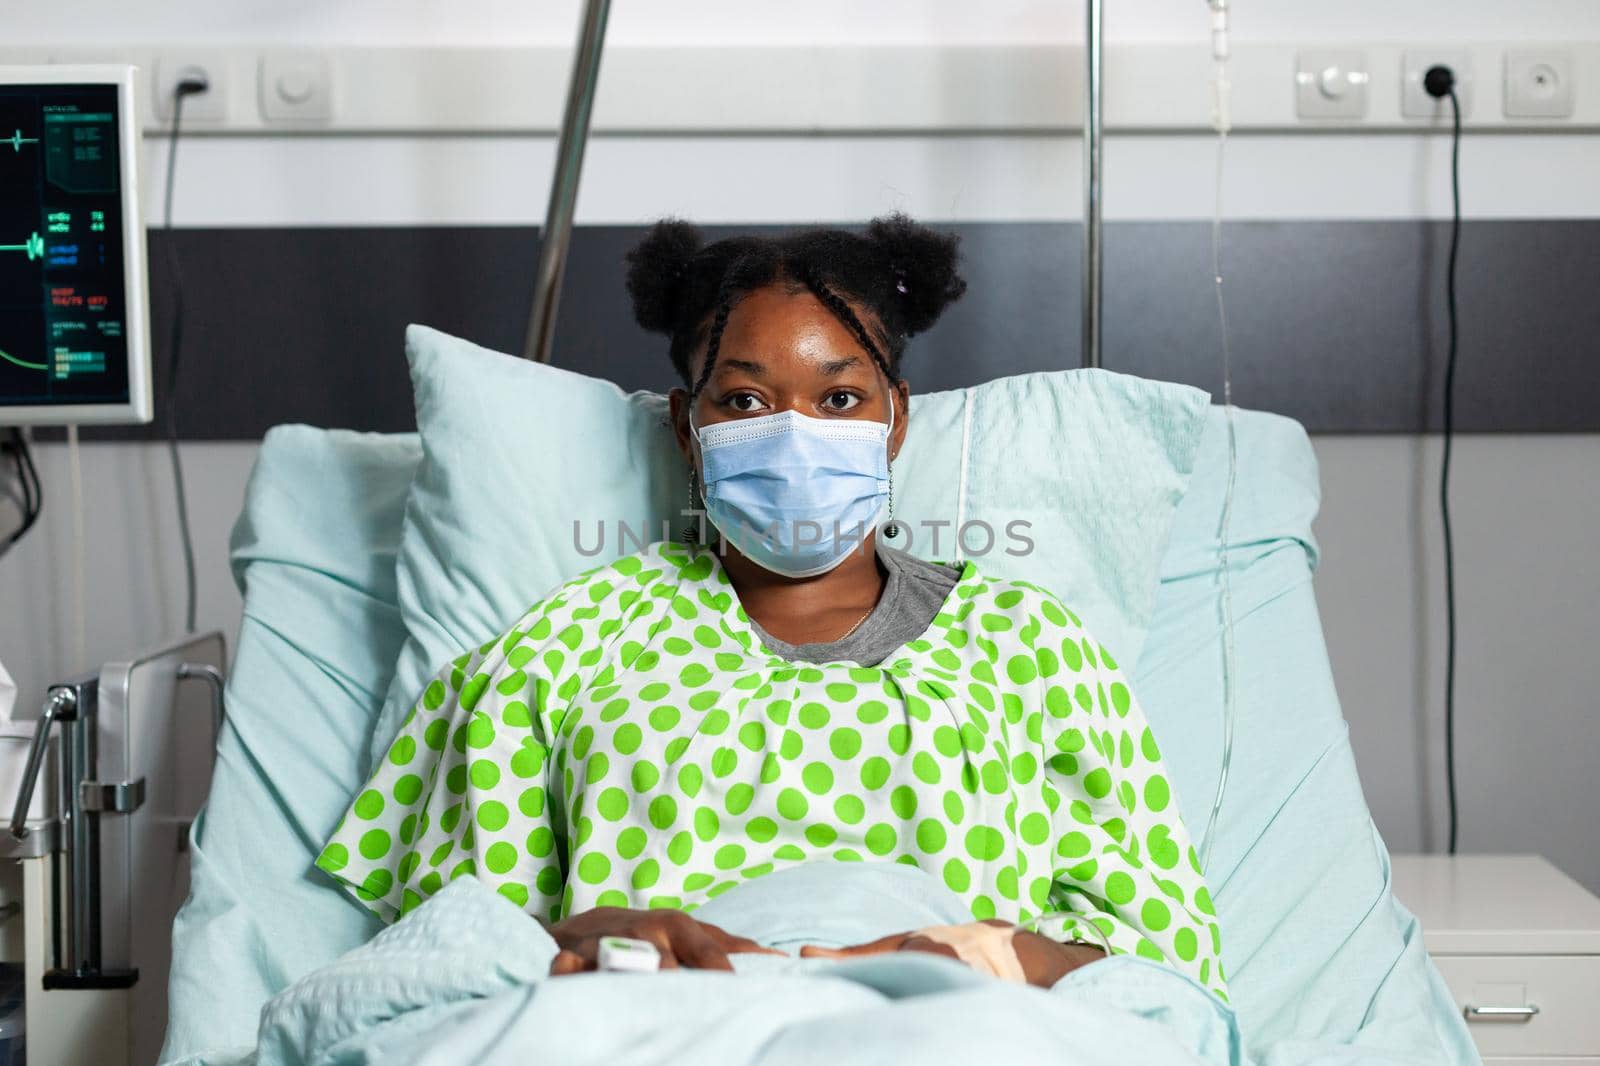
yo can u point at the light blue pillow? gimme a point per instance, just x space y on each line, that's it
522 462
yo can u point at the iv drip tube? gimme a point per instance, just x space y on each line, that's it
1220 118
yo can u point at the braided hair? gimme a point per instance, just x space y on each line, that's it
903 274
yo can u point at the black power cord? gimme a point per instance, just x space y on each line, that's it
1440 83
187 86
28 481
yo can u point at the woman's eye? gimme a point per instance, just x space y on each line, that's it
841 401
744 402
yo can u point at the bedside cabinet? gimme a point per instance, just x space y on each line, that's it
1518 942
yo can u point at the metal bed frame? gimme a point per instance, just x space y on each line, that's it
557 231
102 855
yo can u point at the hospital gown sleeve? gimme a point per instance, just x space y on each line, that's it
1125 873
464 786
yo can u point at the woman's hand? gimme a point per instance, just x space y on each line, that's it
1043 961
682 940
1047 961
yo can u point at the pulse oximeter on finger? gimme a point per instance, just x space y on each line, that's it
623 954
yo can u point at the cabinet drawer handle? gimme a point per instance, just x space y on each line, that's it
1500 1014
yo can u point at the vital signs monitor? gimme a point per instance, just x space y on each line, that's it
74 329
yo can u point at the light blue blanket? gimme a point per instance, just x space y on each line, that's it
462 980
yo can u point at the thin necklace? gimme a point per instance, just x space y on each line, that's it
863 618
855 627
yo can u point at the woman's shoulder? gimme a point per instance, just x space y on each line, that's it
662 560
656 570
591 609
1012 595
993 604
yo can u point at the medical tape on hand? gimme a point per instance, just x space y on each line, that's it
986 948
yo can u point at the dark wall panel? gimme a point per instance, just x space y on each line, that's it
1338 324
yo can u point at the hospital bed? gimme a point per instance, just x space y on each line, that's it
1324 963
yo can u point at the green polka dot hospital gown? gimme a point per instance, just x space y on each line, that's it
631 743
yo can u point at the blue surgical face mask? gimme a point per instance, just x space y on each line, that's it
795 494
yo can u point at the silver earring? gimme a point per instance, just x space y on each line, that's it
691 532
891 528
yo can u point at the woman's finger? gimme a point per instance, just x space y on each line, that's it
567 962
931 947
699 950
881 946
661 937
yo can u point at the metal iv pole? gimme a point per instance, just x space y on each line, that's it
557 232
1093 166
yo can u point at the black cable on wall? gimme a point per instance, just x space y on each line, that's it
1440 83
186 87
16 445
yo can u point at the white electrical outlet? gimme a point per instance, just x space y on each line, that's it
1414 99
209 106
296 86
1539 83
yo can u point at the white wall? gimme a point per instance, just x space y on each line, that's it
1527 510
133 563
698 22
1526 514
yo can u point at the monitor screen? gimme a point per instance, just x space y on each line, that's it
72 323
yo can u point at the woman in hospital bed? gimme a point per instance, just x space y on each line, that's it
777 690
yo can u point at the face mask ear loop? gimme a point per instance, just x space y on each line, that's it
891 528
694 531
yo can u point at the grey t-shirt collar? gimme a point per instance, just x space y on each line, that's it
913 595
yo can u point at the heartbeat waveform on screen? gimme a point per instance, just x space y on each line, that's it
17 140
8 357
34 246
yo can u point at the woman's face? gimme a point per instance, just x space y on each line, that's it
785 351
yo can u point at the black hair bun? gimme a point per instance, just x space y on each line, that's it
656 269
924 263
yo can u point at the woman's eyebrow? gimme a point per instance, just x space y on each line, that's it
754 369
835 367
